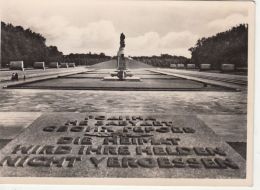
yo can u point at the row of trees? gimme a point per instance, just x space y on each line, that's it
18 43
164 60
86 59
229 47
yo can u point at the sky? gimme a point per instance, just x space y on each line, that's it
151 27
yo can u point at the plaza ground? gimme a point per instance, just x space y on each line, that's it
224 111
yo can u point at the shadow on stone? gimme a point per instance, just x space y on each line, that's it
239 147
4 142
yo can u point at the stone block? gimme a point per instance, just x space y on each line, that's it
113 145
190 66
53 65
205 66
227 67
180 66
39 65
173 65
71 65
16 65
64 65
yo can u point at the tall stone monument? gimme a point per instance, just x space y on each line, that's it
121 64
121 73
120 54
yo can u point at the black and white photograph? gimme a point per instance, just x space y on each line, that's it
132 92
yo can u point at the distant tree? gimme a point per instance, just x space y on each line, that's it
226 47
164 60
18 43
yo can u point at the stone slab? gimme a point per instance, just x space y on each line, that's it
231 128
12 123
120 145
134 79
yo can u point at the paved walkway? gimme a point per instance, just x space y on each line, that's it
235 82
207 74
5 76
39 76
224 112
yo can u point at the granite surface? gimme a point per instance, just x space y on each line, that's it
217 117
47 153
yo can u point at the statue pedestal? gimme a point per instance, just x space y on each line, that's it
121 64
128 79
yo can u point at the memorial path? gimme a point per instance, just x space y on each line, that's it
217 115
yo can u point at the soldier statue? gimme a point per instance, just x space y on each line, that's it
122 40
121 72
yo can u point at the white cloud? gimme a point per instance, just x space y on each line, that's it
223 24
178 39
97 36
101 36
151 27
147 41
152 43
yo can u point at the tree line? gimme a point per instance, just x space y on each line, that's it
229 47
164 60
19 44
86 58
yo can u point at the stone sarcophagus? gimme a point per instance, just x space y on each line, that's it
180 66
71 65
173 65
190 66
227 67
204 67
53 65
16 65
39 65
64 65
